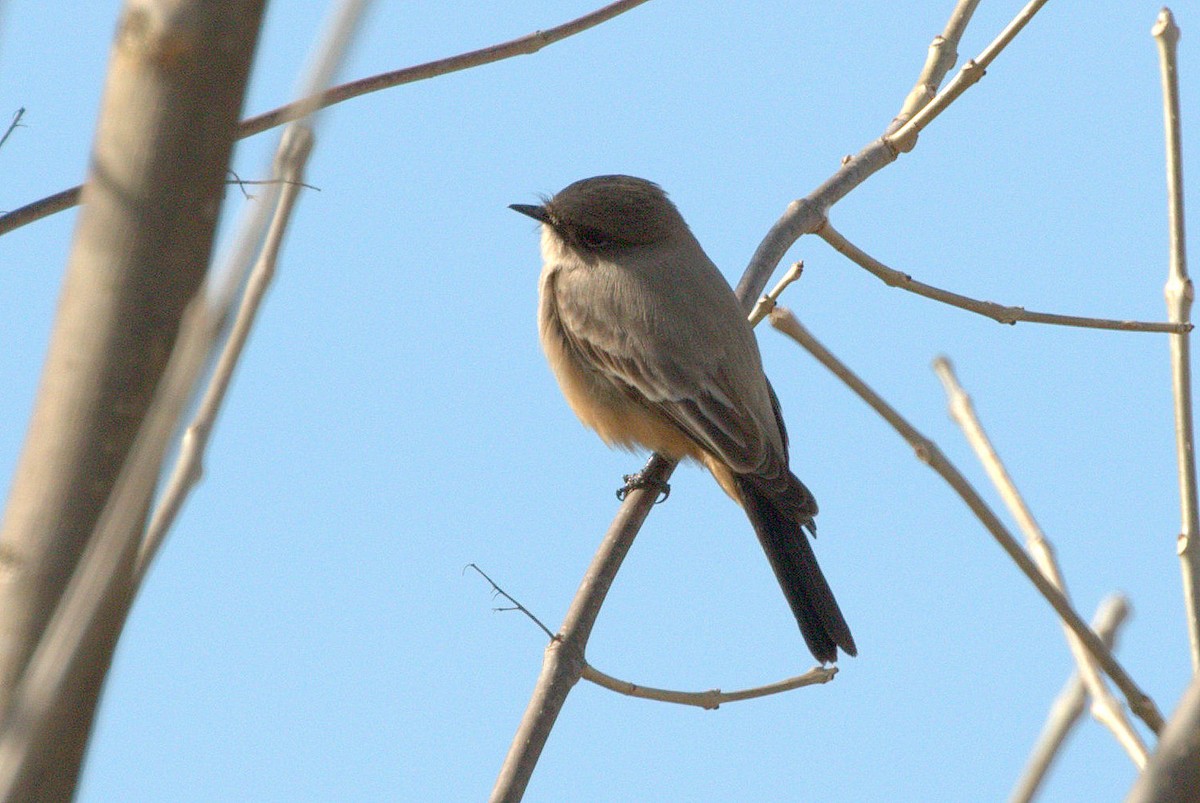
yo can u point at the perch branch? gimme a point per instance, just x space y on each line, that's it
564 662
710 699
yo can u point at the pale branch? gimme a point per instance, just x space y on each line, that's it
1179 294
521 46
102 569
140 249
943 55
291 157
764 305
713 698
903 138
1105 707
1067 707
106 569
808 214
294 149
989 309
928 452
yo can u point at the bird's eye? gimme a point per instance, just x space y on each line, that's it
593 239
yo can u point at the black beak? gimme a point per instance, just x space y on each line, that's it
538 213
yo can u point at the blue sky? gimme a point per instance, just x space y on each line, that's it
308 632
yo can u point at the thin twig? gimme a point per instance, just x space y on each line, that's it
810 213
905 137
1179 294
988 309
708 699
524 45
1067 707
16 121
943 55
294 149
1105 707
295 146
516 605
521 46
928 452
764 305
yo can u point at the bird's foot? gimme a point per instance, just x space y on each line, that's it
639 480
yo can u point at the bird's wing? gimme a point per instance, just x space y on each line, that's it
700 396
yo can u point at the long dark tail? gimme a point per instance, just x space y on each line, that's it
778 520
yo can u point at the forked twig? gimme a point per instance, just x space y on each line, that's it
808 214
711 699
564 663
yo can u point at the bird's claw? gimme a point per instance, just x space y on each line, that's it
639 480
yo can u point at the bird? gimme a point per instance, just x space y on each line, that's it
651 349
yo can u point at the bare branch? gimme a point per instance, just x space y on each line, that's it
1179 294
521 46
294 150
141 247
710 699
988 309
905 137
764 305
517 606
102 571
1067 708
564 662
811 212
928 452
943 55
1105 707
713 698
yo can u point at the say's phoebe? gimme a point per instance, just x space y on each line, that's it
651 349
